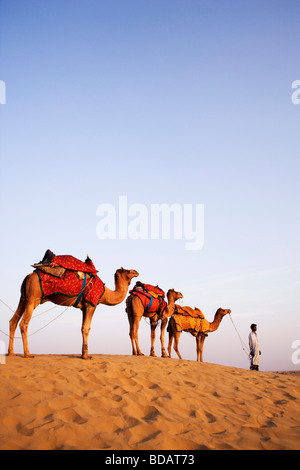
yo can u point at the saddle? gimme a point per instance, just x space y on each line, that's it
69 276
189 312
57 265
190 320
152 297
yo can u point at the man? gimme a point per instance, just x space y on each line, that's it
254 348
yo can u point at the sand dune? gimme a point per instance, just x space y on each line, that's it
135 403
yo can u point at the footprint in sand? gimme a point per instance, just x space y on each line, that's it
290 397
269 424
152 414
280 402
24 430
211 418
71 416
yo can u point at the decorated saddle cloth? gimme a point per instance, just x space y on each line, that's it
189 311
57 265
74 264
188 319
76 278
152 297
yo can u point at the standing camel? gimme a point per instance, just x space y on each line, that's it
200 336
31 297
136 310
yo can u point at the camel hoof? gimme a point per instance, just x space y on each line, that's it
11 353
28 356
86 357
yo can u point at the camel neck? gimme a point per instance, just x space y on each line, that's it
121 288
216 322
171 300
115 297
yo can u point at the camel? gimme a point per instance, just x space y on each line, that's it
135 311
31 297
200 337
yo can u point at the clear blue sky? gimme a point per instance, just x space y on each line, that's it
164 101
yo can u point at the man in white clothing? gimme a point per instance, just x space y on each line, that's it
254 348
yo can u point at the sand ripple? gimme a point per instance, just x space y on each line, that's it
125 402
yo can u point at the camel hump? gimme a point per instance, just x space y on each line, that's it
74 264
189 323
189 312
67 262
152 297
154 291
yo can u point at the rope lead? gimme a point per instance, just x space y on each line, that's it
20 337
243 344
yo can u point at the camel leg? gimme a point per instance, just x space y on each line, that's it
17 316
198 339
171 330
162 337
87 315
176 342
134 321
153 326
200 343
171 336
135 311
201 347
30 306
14 323
130 319
134 336
30 298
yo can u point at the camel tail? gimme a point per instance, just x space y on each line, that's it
128 308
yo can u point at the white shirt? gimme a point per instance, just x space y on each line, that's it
254 347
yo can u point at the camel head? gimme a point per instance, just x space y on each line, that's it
173 295
125 275
222 312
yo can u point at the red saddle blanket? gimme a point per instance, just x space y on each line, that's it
151 297
70 285
74 264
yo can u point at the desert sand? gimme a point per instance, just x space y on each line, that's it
144 403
